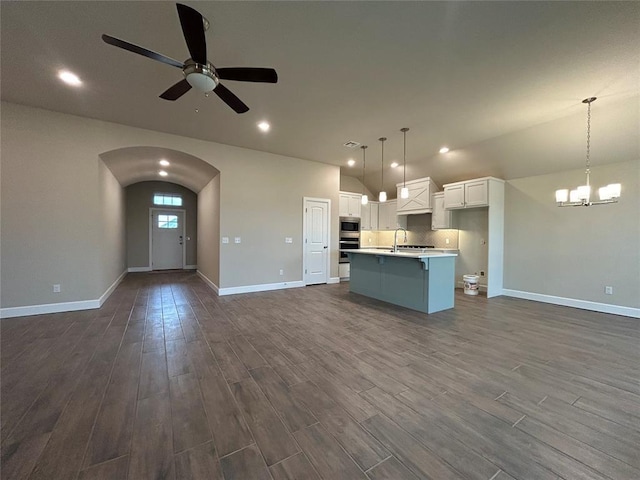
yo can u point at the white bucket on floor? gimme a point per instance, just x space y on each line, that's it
470 284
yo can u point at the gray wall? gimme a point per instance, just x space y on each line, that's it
473 228
112 238
52 220
574 252
209 231
139 201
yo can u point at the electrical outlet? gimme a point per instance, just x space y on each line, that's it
288 240
446 240
281 271
482 273
56 288
608 290
225 239
237 240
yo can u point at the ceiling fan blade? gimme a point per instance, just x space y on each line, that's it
141 51
230 99
193 30
176 91
248 74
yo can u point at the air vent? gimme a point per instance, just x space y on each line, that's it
351 144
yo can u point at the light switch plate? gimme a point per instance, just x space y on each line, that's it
288 240
237 240
225 239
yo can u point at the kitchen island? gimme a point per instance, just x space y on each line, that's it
423 281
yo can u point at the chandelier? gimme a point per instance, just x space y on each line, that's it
581 196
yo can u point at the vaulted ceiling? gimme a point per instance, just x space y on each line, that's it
500 83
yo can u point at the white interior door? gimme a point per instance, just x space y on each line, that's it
316 241
167 239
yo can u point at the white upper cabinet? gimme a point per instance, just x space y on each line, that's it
365 217
469 194
350 204
419 201
374 211
476 193
440 218
388 218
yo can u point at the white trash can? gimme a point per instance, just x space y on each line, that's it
470 284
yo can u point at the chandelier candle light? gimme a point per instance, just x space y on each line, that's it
364 198
404 191
383 195
580 197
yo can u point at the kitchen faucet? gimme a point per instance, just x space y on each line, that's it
395 238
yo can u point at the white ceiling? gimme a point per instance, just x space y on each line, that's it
460 74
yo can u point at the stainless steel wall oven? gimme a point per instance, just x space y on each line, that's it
349 236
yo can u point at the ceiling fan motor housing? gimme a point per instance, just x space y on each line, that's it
201 77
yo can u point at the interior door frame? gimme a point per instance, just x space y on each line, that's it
304 233
184 232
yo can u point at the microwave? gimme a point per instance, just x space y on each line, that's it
349 224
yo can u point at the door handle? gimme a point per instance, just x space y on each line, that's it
325 247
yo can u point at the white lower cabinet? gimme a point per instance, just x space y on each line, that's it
344 270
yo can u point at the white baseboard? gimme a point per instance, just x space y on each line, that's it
110 290
575 303
333 280
61 307
138 269
207 281
27 310
264 287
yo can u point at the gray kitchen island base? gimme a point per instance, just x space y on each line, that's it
425 283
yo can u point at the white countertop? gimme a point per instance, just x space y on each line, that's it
405 254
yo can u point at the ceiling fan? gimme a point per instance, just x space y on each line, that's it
198 72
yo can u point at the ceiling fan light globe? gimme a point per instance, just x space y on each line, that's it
202 82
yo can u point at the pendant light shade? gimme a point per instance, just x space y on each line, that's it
364 199
404 191
382 197
581 196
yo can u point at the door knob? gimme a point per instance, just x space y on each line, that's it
325 247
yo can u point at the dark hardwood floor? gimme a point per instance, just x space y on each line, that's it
168 381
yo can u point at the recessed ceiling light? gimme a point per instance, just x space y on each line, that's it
264 126
351 162
162 173
394 164
444 149
164 163
69 78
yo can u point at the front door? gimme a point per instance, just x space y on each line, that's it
167 239
316 241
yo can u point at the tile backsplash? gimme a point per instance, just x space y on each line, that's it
418 233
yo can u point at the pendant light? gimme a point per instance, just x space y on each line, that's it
383 195
580 197
404 191
364 198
